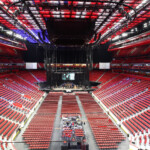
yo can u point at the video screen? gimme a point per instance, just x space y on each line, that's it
68 76
104 65
31 65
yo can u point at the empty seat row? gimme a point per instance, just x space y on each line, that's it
38 133
106 134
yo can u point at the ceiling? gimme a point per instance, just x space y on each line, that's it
109 18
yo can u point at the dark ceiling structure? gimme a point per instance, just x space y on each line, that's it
73 22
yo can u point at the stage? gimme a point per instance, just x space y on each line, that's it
66 90
65 87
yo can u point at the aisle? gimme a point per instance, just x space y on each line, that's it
87 129
56 137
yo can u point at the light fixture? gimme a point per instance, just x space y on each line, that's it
116 38
1 28
124 34
145 25
18 36
25 38
136 29
9 32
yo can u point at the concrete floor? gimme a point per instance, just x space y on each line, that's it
56 136
88 132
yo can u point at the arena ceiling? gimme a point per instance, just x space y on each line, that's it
38 21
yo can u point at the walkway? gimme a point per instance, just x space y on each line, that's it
56 136
88 132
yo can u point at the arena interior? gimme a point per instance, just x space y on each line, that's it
74 75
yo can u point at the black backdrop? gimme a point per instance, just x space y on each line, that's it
35 53
70 55
100 54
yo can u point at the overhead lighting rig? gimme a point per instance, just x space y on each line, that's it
25 7
117 6
142 13
110 16
17 23
79 9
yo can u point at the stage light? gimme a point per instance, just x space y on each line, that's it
132 30
1 28
25 38
145 25
136 29
18 36
124 34
9 32
116 38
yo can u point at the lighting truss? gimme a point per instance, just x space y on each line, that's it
112 17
